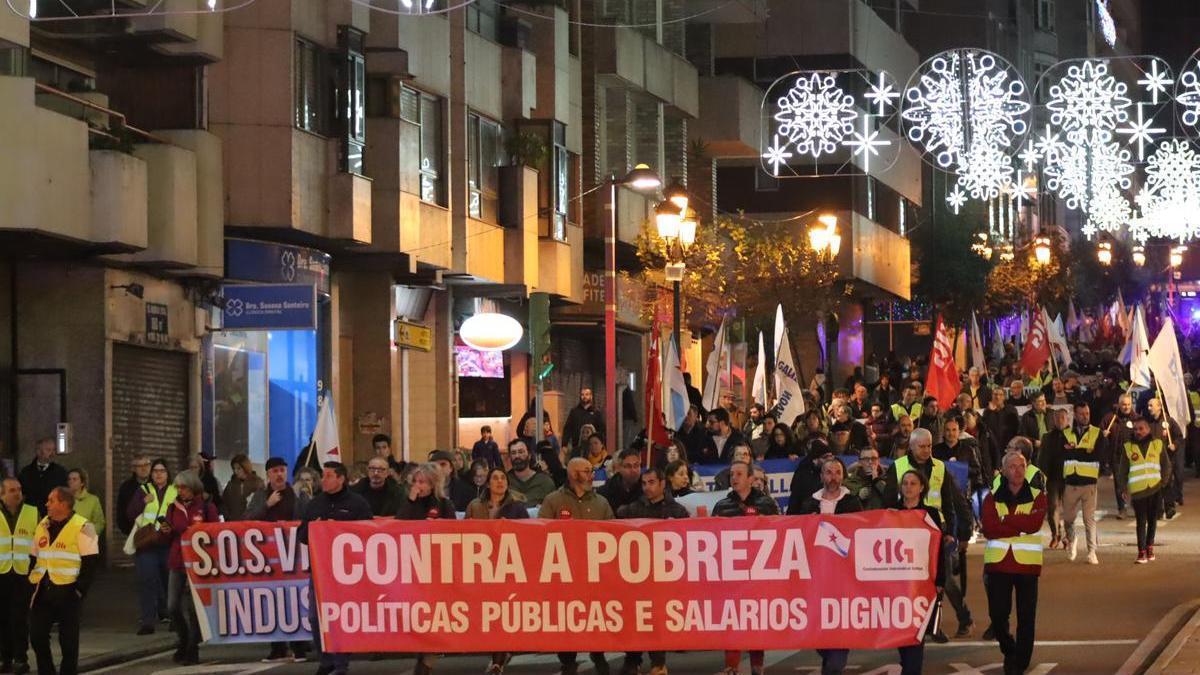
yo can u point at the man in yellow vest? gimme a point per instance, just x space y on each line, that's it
65 551
17 522
909 406
1080 471
1143 469
945 496
1012 516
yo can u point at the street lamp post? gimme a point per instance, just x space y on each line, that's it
641 178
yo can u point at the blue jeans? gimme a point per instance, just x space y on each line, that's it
339 662
151 566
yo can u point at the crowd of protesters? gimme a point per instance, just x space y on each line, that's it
1023 468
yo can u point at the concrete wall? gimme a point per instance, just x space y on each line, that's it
118 191
729 124
172 211
14 29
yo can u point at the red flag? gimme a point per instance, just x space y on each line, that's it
941 382
656 432
1037 345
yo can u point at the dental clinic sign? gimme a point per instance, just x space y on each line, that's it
270 306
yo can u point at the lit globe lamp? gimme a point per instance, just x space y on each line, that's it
490 331
1139 256
1104 253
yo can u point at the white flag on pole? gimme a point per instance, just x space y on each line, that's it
789 402
758 388
675 396
1072 316
997 343
977 358
716 363
1137 347
1168 371
1058 341
325 437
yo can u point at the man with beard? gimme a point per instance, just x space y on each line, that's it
380 491
1116 430
584 413
535 485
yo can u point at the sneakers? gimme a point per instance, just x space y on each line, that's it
1121 513
1171 514
1092 559
277 656
964 629
989 634
1071 550
1141 559
1150 553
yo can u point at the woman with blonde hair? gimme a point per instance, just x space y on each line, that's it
86 504
426 499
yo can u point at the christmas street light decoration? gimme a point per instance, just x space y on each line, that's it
89 10
1170 198
814 124
1104 254
1139 256
968 110
956 199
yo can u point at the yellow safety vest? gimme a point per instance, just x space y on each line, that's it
1075 467
16 545
1026 548
1031 472
1194 397
61 559
153 508
913 413
936 478
1145 471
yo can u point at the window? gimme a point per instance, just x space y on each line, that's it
1041 64
870 214
765 182
481 18
311 88
483 172
432 189
1045 15
352 83
562 182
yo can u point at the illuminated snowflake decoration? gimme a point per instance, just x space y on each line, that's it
1187 93
956 199
1155 82
1089 172
881 95
1088 97
967 109
1170 199
815 116
866 143
1141 131
777 155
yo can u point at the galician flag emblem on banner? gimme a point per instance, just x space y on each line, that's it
832 538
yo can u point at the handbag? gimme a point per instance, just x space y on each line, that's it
143 537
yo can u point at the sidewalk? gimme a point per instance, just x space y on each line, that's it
1182 653
110 619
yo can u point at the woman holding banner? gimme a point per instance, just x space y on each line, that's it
497 502
190 506
914 486
426 499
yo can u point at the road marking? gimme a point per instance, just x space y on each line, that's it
126 664
248 668
1037 643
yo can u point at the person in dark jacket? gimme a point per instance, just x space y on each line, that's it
426 498
139 476
335 502
693 434
457 490
486 449
1001 419
956 448
202 465
42 475
1166 430
806 479
913 489
741 453
779 443
245 482
833 497
550 462
1050 458
380 491
653 503
278 502
190 506
865 480
744 500
1036 422
583 414
722 438
625 487
498 503
1142 486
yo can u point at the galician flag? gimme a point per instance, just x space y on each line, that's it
325 437
789 403
828 536
1137 350
758 388
718 359
675 396
654 421
1168 371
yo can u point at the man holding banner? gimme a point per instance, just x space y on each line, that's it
336 502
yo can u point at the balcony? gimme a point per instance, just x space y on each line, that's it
626 58
519 216
875 255
732 128
560 265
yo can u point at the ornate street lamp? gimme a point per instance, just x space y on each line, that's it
824 237
1177 252
1139 256
1104 253
1041 250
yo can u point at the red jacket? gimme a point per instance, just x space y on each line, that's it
180 518
1012 525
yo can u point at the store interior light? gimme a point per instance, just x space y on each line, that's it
1104 253
1139 256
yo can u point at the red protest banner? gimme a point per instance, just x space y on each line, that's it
249 581
859 581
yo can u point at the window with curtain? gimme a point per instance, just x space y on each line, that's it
483 167
432 151
311 87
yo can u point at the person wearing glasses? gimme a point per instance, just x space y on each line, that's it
865 480
381 492
139 476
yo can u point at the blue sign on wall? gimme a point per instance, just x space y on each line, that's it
270 307
272 263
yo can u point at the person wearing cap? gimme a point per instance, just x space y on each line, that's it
275 502
454 488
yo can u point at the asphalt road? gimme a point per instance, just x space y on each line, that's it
1090 618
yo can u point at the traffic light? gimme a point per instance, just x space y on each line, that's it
539 335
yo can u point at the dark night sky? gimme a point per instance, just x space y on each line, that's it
1171 29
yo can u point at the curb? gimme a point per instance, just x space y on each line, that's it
1164 641
115 658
